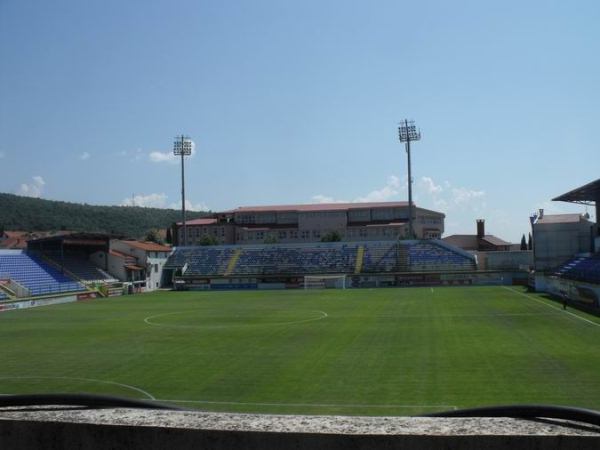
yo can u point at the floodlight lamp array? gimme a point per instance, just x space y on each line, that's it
182 146
408 132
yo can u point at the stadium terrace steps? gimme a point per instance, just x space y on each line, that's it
581 268
319 258
359 259
232 262
37 276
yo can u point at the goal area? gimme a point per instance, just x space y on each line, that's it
325 282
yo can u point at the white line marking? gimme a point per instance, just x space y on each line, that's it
319 405
94 380
552 306
431 290
148 320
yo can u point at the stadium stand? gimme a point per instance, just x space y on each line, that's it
3 296
431 256
320 258
296 259
581 268
81 268
35 274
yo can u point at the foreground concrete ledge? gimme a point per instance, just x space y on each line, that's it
320 425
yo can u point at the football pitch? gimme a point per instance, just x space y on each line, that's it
370 352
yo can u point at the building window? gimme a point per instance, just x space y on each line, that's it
155 268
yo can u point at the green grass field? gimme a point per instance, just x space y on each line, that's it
372 352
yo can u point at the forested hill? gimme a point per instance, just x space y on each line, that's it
35 214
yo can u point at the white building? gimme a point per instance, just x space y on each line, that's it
138 262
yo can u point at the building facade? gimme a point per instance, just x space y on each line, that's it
559 237
136 261
312 223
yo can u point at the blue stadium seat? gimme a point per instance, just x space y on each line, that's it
320 258
35 274
581 268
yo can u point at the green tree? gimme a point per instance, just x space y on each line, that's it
154 236
169 237
208 239
270 239
523 243
332 236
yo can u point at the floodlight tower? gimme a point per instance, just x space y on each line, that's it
182 146
407 132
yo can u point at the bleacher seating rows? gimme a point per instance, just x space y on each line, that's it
380 257
283 260
429 256
33 273
81 267
3 296
319 258
581 268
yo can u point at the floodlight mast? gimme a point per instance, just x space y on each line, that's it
407 132
182 146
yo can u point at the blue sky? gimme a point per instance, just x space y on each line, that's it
295 102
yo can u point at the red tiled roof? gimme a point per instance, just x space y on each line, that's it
318 207
148 246
494 240
202 221
120 254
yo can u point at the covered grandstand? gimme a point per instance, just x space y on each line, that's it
287 264
70 254
577 277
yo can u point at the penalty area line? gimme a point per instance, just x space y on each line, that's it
552 306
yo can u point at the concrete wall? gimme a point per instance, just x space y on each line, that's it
154 429
508 260
555 243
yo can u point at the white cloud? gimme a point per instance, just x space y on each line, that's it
84 156
462 195
161 200
429 185
158 157
386 193
190 206
320 198
33 189
168 157
133 155
147 201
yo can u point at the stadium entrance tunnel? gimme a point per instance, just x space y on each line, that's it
127 428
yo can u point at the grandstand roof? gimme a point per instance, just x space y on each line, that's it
587 194
89 239
148 246
318 207
560 218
